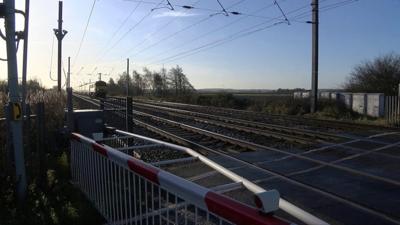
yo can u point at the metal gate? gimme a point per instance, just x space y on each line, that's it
392 111
126 190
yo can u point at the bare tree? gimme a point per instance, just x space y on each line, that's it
379 75
179 81
160 84
157 84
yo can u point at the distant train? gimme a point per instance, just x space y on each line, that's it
100 89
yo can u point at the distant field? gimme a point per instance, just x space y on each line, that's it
262 95
251 95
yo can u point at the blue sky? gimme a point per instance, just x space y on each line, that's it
277 57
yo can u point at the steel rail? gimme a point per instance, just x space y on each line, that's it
283 204
256 147
288 179
305 121
275 174
269 126
256 131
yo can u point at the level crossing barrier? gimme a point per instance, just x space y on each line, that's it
126 190
115 109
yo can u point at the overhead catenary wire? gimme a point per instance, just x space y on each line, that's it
324 8
107 50
164 26
222 39
223 8
292 19
84 33
212 12
2 35
180 31
118 29
123 22
225 26
51 60
283 13
130 30
169 6
242 33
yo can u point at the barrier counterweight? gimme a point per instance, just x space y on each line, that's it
126 190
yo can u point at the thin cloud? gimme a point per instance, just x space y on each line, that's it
175 14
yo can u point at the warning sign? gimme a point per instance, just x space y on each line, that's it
16 111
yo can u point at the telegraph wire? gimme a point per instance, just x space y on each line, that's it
84 33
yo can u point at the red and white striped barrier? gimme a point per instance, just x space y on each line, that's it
217 204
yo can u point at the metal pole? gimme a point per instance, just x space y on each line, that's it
41 146
129 114
16 121
314 83
69 73
25 55
60 33
60 6
70 113
127 77
70 120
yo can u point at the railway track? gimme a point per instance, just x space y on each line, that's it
323 136
285 170
284 120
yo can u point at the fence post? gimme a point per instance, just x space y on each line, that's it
390 110
129 114
398 112
70 113
9 148
27 128
387 105
393 111
41 147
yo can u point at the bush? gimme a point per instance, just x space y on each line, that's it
287 106
54 201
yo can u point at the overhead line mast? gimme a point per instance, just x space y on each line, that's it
315 32
14 106
60 33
